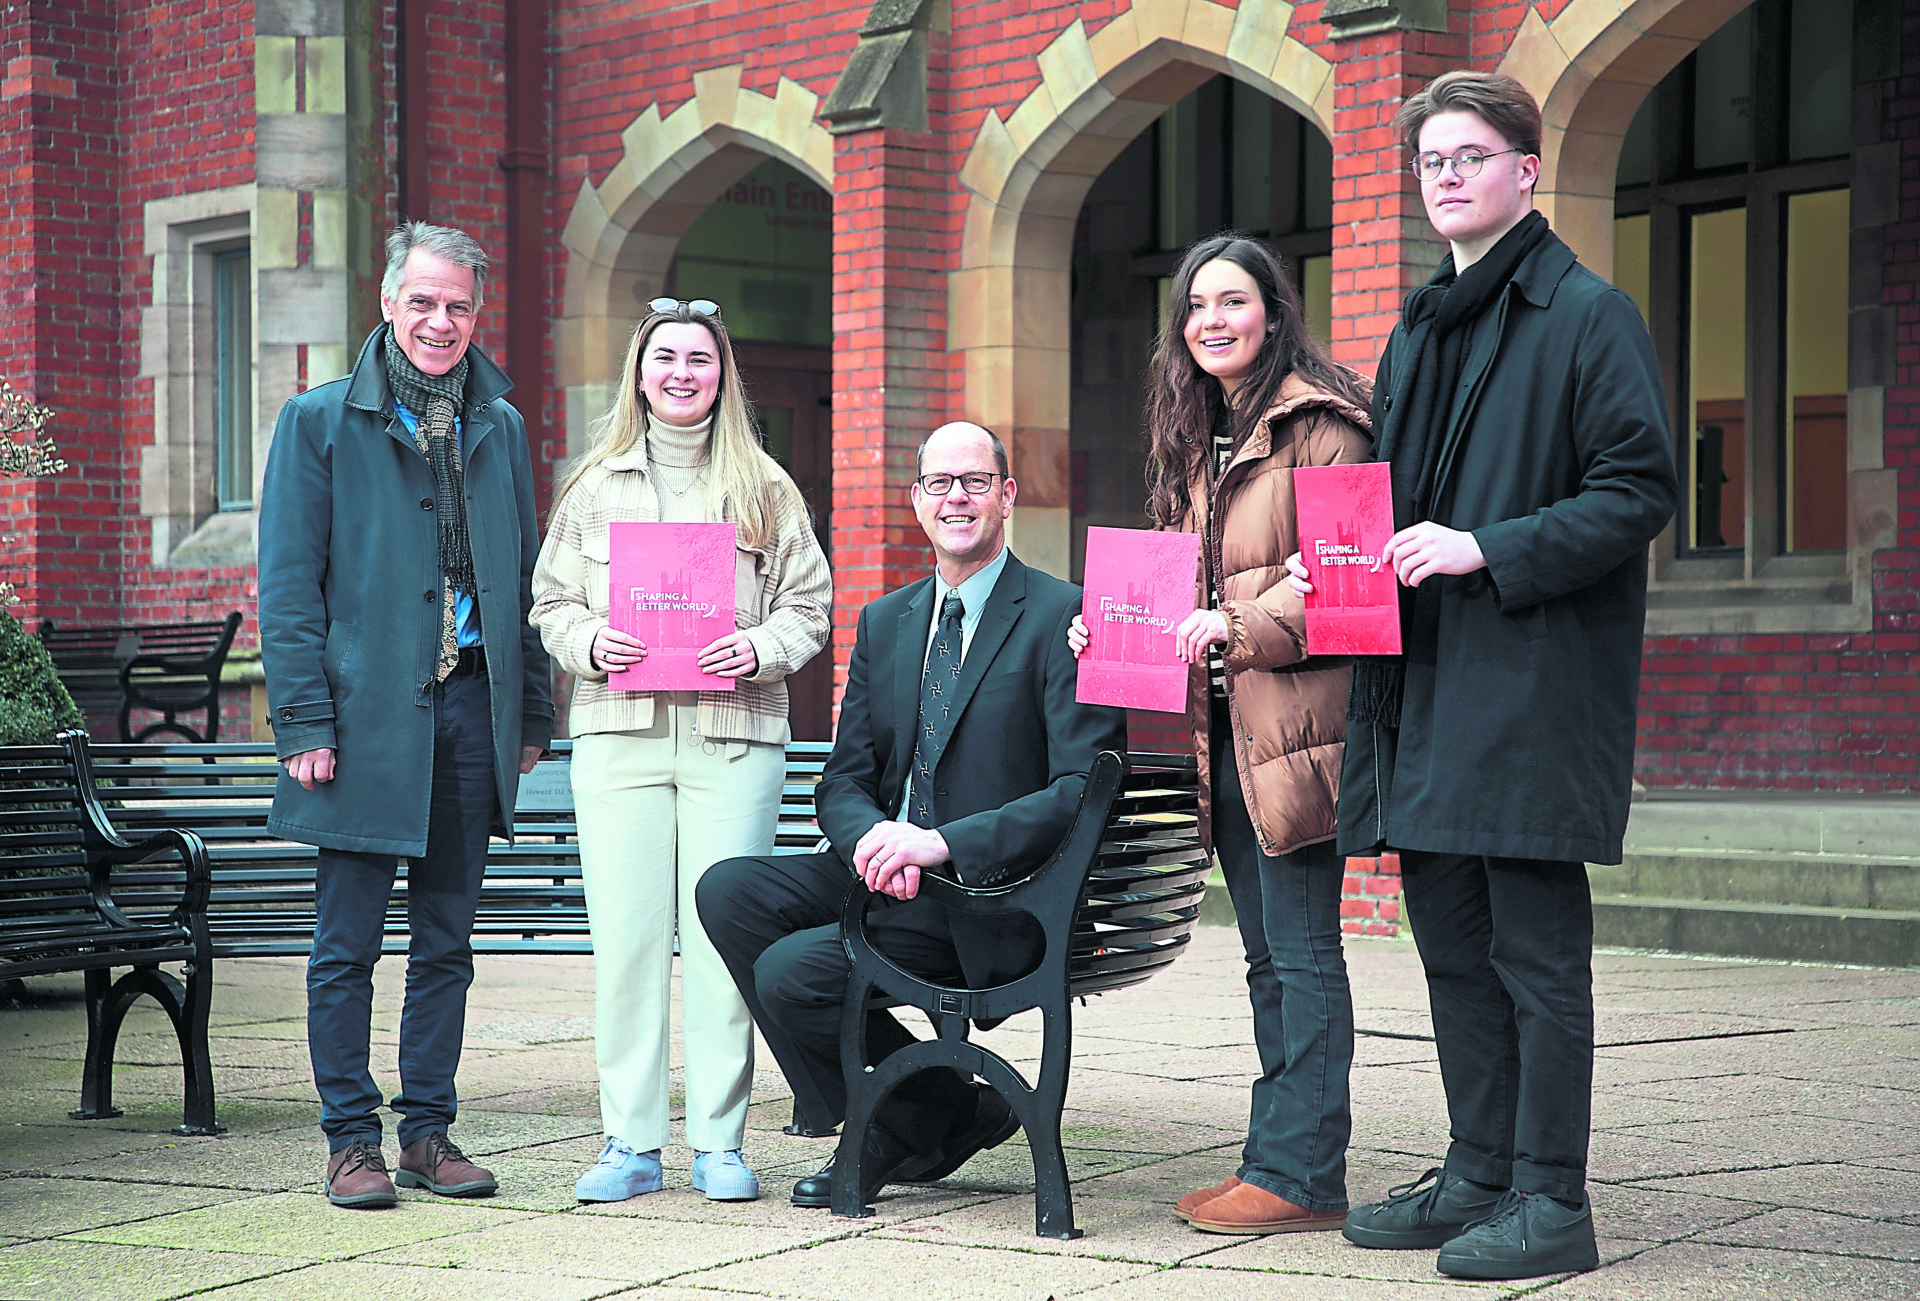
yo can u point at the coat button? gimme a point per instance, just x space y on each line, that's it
426 503
428 595
286 715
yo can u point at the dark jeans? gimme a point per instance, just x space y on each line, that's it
443 886
1289 914
1508 948
776 923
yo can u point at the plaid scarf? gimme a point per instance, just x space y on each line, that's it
436 402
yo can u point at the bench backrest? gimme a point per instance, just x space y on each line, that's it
1140 906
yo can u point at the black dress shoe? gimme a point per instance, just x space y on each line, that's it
881 1157
993 1123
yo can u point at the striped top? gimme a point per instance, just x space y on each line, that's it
1222 455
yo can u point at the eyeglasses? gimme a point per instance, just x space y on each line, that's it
977 484
1466 164
703 306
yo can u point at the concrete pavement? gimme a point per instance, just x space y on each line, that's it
1757 1134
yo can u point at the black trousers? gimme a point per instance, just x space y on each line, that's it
1508 948
443 890
776 923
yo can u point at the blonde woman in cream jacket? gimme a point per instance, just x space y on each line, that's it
667 783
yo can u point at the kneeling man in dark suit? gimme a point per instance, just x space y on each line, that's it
961 750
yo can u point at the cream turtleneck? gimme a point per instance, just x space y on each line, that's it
677 459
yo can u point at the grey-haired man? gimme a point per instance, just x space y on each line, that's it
397 542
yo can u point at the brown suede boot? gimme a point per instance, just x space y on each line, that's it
1193 1201
1252 1209
357 1177
435 1164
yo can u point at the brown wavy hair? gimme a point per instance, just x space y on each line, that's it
1183 400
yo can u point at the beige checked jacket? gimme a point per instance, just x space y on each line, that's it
783 600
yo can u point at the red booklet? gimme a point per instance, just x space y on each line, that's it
1139 586
1346 516
671 585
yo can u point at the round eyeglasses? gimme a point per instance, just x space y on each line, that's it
1466 164
977 484
703 306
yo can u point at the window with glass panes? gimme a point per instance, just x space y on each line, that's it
1730 232
233 378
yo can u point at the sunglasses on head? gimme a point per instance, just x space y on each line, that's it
701 306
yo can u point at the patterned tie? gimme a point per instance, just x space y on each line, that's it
936 703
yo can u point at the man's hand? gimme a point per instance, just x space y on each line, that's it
529 756
1198 631
310 767
1078 638
889 858
731 656
1425 549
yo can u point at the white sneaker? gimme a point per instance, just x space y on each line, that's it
620 1173
724 1177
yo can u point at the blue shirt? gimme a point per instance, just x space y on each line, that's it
466 613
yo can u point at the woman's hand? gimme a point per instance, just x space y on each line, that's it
1078 638
1427 548
732 656
614 650
1198 631
1297 576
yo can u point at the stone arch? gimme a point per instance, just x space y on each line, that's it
621 234
1590 68
1025 179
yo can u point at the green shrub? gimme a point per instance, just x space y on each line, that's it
34 707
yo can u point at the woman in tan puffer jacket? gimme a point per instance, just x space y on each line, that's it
1238 395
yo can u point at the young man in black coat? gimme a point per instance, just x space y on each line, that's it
960 750
1520 406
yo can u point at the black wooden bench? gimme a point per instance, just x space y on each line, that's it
1117 902
262 903
77 896
170 669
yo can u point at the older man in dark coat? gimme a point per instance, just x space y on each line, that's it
1520 405
397 544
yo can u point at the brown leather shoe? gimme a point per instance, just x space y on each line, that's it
1193 1201
435 1164
1252 1209
357 1177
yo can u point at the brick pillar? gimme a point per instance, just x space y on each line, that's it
890 379
59 341
1382 247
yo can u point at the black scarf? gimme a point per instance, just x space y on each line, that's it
1411 427
436 402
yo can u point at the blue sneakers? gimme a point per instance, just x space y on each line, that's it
724 1177
620 1173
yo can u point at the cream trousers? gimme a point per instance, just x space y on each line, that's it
657 808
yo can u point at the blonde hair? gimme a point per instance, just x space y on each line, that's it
746 483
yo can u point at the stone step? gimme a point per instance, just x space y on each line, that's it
1885 937
1751 876
1776 823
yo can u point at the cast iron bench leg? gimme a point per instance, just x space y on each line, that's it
96 1076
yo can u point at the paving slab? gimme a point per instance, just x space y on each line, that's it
101 1272
599 1247
1249 1285
1705 1272
1116 1228
1851 1189
270 1162
34 1148
328 1282
47 1208
860 1269
304 1225
1834 1235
